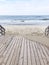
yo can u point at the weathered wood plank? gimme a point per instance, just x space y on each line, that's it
47 57
46 49
36 54
32 54
18 52
11 55
15 53
42 55
6 55
21 60
25 53
39 55
4 46
29 52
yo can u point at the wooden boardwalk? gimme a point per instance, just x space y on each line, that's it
16 50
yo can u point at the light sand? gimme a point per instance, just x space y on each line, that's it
32 32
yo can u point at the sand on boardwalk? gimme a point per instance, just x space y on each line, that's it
32 32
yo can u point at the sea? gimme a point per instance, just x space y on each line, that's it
24 20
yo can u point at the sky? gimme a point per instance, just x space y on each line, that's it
24 7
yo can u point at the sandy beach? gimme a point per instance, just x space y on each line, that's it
32 32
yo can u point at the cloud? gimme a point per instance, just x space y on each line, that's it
24 8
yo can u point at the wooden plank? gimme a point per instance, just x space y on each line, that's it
15 52
21 59
42 55
39 55
1 39
1 54
18 52
36 54
1 46
32 54
1 60
11 55
9 46
25 53
47 57
6 55
29 53
47 50
2 50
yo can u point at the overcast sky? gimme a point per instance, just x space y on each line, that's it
24 7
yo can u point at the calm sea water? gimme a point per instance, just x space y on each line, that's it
42 17
25 20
